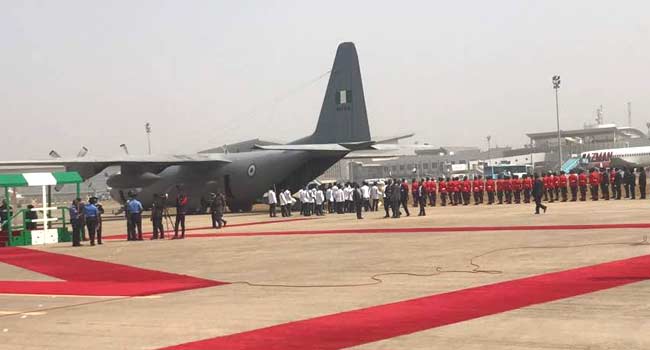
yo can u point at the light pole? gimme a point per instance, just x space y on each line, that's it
556 86
147 129
489 149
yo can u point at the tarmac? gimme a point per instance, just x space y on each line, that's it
474 277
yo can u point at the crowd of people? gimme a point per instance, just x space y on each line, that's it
396 195
87 217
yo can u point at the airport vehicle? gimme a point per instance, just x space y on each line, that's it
616 157
342 128
507 170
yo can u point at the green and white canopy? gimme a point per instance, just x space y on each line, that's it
39 179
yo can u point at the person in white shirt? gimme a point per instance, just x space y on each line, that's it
329 198
365 196
374 196
349 204
310 201
283 203
340 200
335 198
272 202
302 197
290 200
319 198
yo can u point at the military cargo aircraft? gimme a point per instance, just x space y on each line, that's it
342 128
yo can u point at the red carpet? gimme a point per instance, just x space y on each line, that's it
254 223
425 230
91 277
376 323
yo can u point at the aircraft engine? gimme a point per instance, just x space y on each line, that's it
132 181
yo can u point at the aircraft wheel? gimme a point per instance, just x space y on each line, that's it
241 207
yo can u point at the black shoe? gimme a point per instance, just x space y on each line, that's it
544 210
100 242
92 243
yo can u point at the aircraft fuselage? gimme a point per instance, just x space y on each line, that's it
243 180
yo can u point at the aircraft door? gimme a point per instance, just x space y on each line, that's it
226 186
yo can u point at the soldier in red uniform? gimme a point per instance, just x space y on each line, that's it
432 189
507 189
582 185
612 182
549 187
455 183
481 192
573 185
556 186
562 181
414 191
517 185
467 190
489 188
477 187
442 188
528 187
500 189
594 183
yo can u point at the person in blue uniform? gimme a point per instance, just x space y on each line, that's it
76 223
90 214
134 210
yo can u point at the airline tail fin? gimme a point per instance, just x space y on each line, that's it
343 117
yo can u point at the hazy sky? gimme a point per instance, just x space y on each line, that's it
206 73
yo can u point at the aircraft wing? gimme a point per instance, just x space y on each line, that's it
326 147
394 139
382 151
89 166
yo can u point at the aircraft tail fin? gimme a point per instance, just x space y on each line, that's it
343 117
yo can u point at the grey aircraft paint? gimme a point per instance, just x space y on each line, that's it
245 176
343 118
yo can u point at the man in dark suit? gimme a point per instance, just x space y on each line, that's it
404 196
388 198
618 182
357 198
538 192
631 182
396 198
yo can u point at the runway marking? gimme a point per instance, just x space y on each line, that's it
362 326
255 223
28 313
85 277
442 229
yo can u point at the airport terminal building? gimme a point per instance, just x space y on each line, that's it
539 155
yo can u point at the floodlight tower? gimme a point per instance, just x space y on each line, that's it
556 86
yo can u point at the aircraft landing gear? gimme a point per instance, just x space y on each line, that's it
240 207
